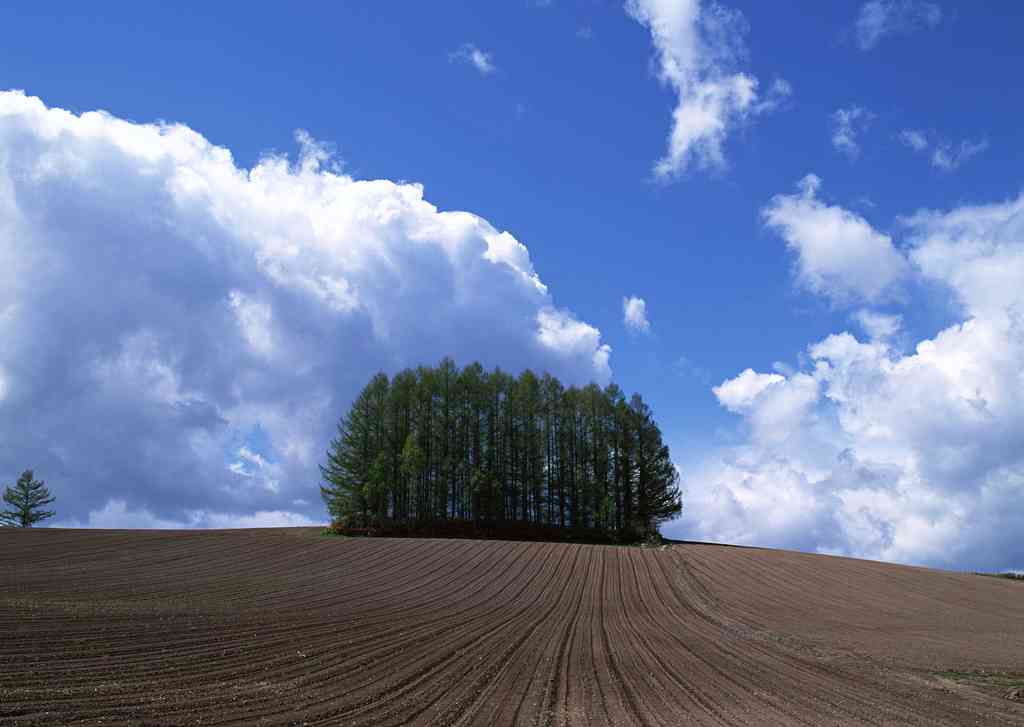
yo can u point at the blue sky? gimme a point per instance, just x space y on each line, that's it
548 120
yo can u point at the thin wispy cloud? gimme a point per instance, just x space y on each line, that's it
880 18
878 326
916 140
942 153
949 157
847 125
687 368
481 60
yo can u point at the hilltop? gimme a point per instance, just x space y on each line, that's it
289 627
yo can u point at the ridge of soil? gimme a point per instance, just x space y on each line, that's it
283 626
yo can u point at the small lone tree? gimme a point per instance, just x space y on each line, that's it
27 498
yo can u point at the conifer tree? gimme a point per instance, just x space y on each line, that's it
26 498
350 459
657 480
440 443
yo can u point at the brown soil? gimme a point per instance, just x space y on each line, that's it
287 627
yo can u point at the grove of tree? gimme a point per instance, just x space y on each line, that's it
443 444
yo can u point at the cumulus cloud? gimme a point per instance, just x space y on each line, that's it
839 254
870 450
634 314
481 61
847 125
698 50
739 394
559 331
978 252
878 326
180 334
116 515
944 154
879 18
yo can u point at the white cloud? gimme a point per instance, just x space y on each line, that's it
944 154
116 515
778 93
159 304
738 394
256 470
848 124
915 139
559 332
949 157
634 314
255 321
481 61
698 48
839 254
878 326
261 519
978 252
879 18
870 451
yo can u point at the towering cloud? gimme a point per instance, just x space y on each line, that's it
180 334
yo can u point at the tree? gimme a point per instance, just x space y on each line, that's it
413 460
350 460
439 443
657 482
27 498
341 490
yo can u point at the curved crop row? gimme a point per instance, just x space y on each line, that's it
285 627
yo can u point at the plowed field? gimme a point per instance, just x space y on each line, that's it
288 627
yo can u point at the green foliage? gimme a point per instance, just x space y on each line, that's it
413 461
444 444
653 539
27 499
